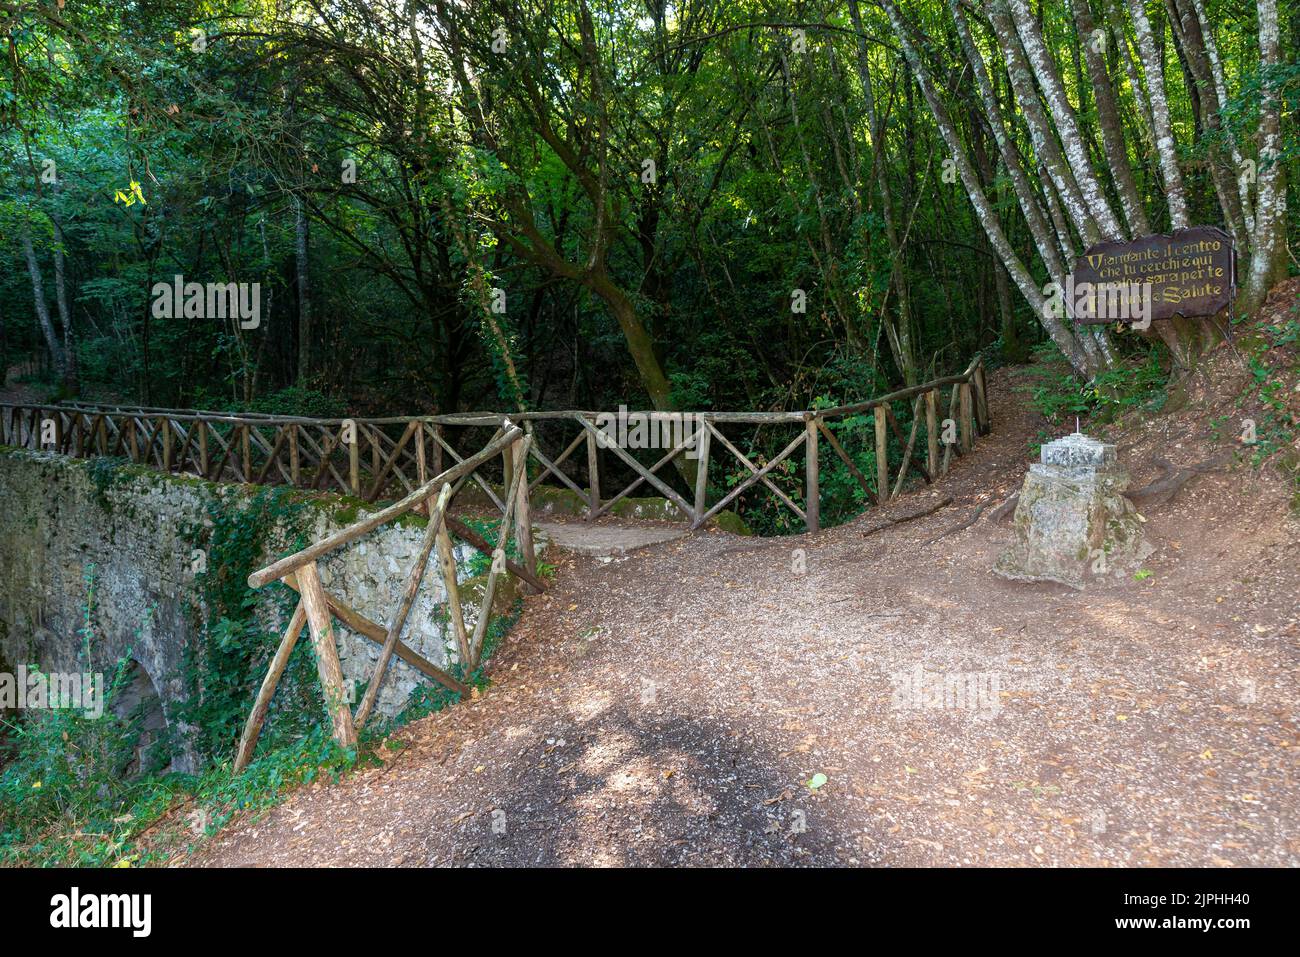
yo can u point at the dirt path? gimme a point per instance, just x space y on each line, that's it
668 707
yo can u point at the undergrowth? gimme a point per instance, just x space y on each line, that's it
76 791
1137 382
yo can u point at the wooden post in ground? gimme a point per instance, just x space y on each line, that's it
967 438
447 563
327 655
702 443
524 520
507 470
354 459
932 433
167 444
437 448
420 476
812 492
982 400
413 579
593 476
294 465
253 726
246 452
882 455
202 426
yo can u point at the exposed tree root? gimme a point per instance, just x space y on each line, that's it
1164 488
921 513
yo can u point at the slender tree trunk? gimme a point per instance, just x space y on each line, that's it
300 249
71 378
1056 328
1039 226
1268 260
1191 43
1221 102
42 307
1046 149
879 163
1166 146
1112 133
1119 35
1067 124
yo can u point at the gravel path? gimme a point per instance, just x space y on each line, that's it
671 706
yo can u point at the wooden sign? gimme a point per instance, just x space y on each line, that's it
1189 272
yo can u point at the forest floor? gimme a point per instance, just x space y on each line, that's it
672 707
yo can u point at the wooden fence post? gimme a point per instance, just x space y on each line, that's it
932 434
294 464
354 459
702 444
327 655
982 400
593 476
812 495
166 426
882 456
420 477
967 439
524 520
253 726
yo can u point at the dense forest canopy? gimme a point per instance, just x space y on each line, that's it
712 204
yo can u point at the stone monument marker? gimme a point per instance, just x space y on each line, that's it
1073 523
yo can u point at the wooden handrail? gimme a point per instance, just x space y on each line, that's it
473 418
284 566
317 608
222 446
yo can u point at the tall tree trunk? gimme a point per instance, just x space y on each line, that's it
1067 124
300 249
1046 149
1061 334
879 163
1221 103
1166 146
1268 260
42 307
1191 44
71 379
1112 133
1039 226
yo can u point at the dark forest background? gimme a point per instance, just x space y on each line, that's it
651 187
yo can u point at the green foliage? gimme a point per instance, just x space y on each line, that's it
1274 370
68 766
1138 383
224 667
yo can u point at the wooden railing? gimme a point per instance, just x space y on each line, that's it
316 607
383 458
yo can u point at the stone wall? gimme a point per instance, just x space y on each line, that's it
60 518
